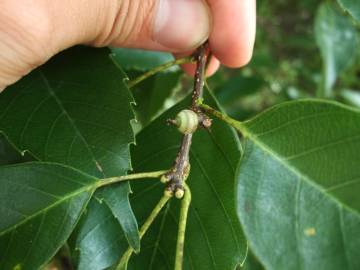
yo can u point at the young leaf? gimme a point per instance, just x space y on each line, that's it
351 6
75 110
298 186
337 39
214 239
40 205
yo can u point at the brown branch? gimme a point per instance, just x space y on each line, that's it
199 80
181 169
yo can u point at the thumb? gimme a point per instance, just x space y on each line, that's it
35 30
169 25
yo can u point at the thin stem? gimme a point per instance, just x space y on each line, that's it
160 68
227 119
184 210
122 265
199 80
135 176
180 170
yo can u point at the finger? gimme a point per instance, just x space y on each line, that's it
169 25
212 67
33 31
233 34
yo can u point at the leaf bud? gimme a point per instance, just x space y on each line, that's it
164 179
179 193
168 193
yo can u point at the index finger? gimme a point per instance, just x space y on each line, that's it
233 34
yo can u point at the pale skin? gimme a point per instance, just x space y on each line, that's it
32 31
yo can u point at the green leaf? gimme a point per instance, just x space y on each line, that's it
337 39
151 94
99 242
8 155
214 239
141 60
40 205
298 186
251 263
351 6
117 199
232 93
75 110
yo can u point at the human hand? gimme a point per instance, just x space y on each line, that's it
32 31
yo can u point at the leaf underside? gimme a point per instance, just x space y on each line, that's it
298 186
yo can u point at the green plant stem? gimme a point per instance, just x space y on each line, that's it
227 119
122 265
184 210
160 68
135 176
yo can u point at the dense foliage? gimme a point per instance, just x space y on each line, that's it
275 189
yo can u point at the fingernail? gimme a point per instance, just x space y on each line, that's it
181 25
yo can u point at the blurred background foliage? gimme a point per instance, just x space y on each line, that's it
288 63
303 49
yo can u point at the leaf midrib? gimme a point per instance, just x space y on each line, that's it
69 196
252 137
77 131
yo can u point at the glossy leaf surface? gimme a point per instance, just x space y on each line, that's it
76 110
40 205
99 240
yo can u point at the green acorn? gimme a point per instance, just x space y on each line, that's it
187 121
